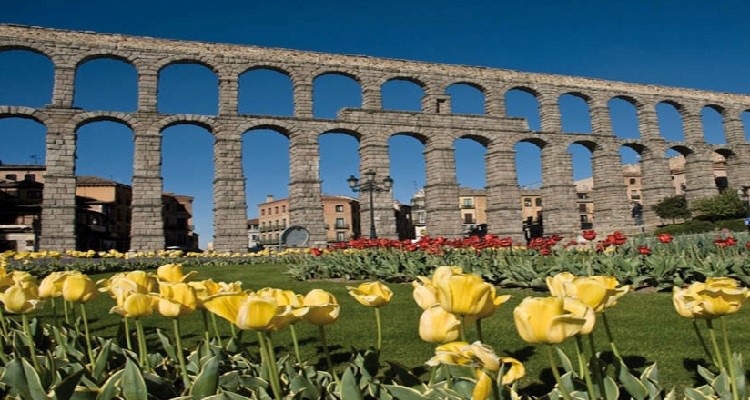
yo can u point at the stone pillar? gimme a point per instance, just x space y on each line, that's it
549 111
559 206
371 94
494 101
503 195
230 208
441 191
648 122
656 182
692 124
611 209
699 174
601 123
435 101
148 82
228 92
147 226
303 97
373 156
738 167
305 204
64 86
59 200
734 128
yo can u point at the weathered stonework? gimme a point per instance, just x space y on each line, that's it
436 127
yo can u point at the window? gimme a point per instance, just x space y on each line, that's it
584 219
583 196
277 210
582 208
527 201
340 223
468 219
262 211
35 194
11 177
538 202
283 223
632 181
283 209
339 208
340 236
29 177
422 218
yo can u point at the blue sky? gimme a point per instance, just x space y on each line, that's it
693 44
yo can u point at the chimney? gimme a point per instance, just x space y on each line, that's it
269 198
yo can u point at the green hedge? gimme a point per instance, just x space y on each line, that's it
701 226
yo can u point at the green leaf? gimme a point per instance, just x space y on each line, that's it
100 365
226 396
207 381
109 389
404 393
632 385
166 344
21 377
349 386
65 389
566 364
133 384
698 393
611 391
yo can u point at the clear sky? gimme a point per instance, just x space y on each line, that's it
696 44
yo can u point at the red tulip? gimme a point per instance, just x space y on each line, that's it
644 250
589 234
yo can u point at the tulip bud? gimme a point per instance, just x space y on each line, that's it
438 326
323 307
371 294
78 288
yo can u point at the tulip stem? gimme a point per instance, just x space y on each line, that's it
380 333
3 325
703 341
479 330
128 342
32 345
75 318
295 342
180 355
266 359
207 333
65 310
556 373
595 364
141 342
216 329
273 365
461 329
584 370
717 352
232 330
730 362
609 336
89 350
326 352
54 313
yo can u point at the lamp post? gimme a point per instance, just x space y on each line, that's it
370 186
742 193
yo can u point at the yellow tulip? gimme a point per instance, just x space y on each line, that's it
484 356
544 320
597 292
438 326
492 304
78 288
579 309
225 305
176 300
514 370
173 273
464 295
135 305
483 388
556 284
371 294
445 271
52 284
323 307
263 314
450 353
19 299
424 294
287 298
714 298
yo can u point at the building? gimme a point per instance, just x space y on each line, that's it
473 204
341 215
419 214
253 233
103 212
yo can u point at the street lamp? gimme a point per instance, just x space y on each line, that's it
370 186
742 193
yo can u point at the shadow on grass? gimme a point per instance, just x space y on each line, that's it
523 354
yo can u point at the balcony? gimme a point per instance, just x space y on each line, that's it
467 206
341 226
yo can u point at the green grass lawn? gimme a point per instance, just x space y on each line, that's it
645 326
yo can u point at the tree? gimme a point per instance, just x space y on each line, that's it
672 207
722 206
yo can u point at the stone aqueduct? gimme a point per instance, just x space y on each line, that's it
435 127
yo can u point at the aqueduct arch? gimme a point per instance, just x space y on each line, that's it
435 123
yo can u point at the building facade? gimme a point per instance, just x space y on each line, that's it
340 217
